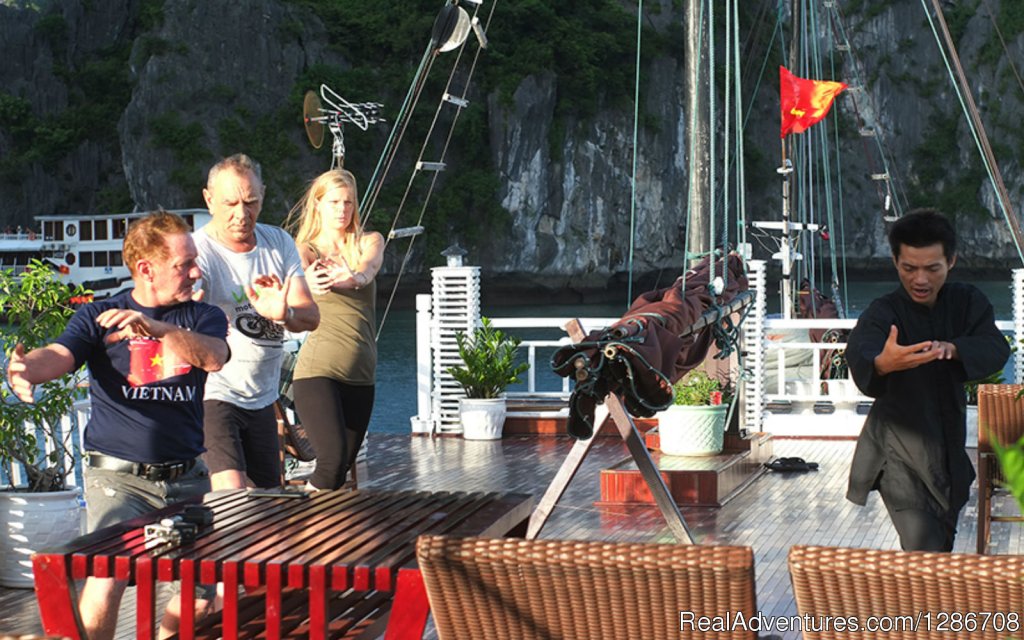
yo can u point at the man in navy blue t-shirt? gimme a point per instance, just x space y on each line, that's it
148 352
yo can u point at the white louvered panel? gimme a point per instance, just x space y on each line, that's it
753 345
455 297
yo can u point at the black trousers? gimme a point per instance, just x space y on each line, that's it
922 529
336 416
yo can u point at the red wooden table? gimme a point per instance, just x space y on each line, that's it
316 547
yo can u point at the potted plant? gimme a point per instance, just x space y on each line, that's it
488 367
34 309
694 425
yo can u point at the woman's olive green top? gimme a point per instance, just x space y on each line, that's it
343 347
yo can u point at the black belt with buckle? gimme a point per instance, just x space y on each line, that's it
154 472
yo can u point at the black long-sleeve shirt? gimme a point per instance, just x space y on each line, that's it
916 425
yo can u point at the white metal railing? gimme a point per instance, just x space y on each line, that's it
774 328
71 432
539 375
530 346
774 350
19 235
791 383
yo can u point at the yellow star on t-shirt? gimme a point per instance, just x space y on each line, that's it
157 360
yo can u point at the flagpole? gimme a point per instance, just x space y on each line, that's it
786 171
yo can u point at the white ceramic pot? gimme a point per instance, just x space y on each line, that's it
692 431
482 418
30 522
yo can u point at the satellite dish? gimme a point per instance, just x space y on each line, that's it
311 119
451 27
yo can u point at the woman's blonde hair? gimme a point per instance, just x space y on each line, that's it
304 219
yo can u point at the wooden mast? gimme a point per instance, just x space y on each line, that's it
697 90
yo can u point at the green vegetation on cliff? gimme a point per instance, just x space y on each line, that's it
588 45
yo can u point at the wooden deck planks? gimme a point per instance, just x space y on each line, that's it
775 512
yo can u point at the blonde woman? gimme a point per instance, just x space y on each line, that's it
335 373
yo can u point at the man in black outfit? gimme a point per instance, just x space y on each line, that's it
912 351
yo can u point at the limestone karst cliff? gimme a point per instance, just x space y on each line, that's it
123 104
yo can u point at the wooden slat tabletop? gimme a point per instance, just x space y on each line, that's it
326 541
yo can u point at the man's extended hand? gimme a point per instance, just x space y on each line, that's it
132 324
15 374
899 358
269 297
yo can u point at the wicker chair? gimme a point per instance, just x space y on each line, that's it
930 589
1000 416
553 589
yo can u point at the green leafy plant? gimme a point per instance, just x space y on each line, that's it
1011 459
488 362
34 309
698 388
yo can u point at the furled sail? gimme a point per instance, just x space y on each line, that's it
639 356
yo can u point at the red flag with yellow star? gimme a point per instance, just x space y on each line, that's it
804 102
150 362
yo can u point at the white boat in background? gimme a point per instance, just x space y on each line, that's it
84 249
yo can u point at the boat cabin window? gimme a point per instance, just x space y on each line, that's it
85 258
100 230
53 230
120 227
115 259
86 231
100 258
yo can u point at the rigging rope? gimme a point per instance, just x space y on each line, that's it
711 139
1008 57
889 165
741 179
418 84
636 120
397 133
974 122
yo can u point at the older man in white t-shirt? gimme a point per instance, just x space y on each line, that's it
254 274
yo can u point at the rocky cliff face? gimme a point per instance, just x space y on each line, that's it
223 73
46 51
572 215
205 79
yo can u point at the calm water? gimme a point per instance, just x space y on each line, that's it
396 368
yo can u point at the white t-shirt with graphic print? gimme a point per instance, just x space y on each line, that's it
251 377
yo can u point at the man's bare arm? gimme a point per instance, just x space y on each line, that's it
37 366
206 352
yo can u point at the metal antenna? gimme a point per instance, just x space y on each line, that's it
341 111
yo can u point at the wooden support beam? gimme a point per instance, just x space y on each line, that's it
631 435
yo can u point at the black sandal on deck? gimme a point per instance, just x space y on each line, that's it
791 464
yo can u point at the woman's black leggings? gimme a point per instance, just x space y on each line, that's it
335 416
